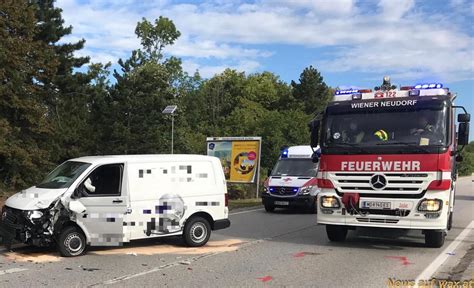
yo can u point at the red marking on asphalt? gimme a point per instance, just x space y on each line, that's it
403 259
299 255
265 279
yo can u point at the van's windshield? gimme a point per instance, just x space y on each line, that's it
295 167
64 175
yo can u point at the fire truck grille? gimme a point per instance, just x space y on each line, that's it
393 184
377 220
400 213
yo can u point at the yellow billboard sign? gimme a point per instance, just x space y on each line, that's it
240 157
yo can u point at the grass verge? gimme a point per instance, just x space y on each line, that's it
244 203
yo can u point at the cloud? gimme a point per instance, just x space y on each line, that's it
400 37
208 71
394 10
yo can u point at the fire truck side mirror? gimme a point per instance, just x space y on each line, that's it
465 117
314 128
463 133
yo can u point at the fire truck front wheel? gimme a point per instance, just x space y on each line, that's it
336 233
434 239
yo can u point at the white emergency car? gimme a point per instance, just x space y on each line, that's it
292 182
110 200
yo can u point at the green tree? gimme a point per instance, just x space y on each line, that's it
466 166
146 83
311 91
67 91
26 64
154 38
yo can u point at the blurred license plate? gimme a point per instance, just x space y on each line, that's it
376 205
282 203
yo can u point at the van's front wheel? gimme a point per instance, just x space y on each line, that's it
71 242
269 208
197 232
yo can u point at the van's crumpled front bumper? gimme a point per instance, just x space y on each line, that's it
12 226
15 226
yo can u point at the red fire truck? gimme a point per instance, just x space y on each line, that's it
388 159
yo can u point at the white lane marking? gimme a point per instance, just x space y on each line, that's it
245 212
431 269
13 270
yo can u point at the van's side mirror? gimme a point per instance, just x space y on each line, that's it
77 207
314 128
77 193
463 133
315 157
465 117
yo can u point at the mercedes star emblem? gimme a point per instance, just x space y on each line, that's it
378 181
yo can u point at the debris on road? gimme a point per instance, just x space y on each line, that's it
88 269
132 253
185 262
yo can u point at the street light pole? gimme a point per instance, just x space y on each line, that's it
172 133
170 110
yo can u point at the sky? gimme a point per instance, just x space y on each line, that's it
351 42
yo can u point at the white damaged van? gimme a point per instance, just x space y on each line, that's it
110 200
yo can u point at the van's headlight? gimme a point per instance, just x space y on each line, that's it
430 205
306 190
265 190
330 202
33 215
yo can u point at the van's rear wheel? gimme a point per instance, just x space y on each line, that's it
434 239
197 232
71 242
336 233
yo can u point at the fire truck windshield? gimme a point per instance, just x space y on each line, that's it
416 128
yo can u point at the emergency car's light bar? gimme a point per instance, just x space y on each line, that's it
414 93
284 153
346 91
351 91
429 86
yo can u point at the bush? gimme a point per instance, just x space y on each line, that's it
466 167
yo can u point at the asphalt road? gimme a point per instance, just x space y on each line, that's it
284 248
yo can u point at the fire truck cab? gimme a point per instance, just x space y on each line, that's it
388 159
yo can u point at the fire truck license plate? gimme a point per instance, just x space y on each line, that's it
376 205
282 203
